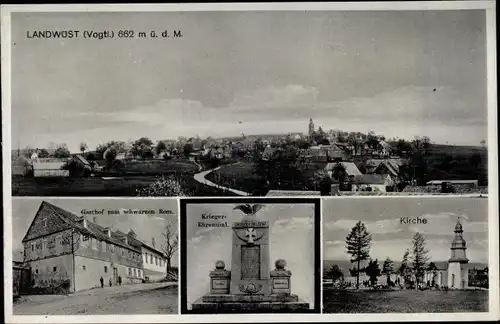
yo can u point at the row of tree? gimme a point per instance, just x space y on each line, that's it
358 243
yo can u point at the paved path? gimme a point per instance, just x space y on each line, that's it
152 298
200 177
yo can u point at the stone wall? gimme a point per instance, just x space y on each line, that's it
53 275
88 272
48 246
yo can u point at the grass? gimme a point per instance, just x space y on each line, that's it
405 301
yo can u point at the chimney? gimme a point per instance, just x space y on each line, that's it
84 222
95 220
153 241
108 231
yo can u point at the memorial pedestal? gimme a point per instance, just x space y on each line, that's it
250 285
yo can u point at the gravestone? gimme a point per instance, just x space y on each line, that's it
250 284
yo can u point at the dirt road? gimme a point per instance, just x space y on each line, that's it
153 298
200 177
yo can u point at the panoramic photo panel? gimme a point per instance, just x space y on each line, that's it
405 255
274 103
247 256
95 256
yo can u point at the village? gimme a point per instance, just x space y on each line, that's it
320 163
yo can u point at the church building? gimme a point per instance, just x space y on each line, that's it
454 274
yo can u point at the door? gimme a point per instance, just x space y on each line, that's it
115 275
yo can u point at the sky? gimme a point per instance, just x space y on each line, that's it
390 238
291 239
146 227
401 74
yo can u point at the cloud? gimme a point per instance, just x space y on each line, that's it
384 226
444 223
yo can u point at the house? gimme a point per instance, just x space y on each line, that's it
78 166
69 253
471 183
390 167
342 170
371 182
269 153
326 153
21 166
50 167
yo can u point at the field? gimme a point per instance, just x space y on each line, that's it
405 301
237 176
97 186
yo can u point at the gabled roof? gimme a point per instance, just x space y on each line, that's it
350 168
370 179
74 221
82 159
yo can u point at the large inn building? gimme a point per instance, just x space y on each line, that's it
68 251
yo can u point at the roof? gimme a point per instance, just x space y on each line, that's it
82 159
391 166
75 222
350 168
370 179
293 193
22 160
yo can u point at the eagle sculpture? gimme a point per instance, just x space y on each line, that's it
248 209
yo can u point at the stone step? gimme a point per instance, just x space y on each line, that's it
275 298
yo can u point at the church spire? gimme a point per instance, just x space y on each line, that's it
311 127
458 245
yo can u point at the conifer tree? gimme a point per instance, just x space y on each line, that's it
358 246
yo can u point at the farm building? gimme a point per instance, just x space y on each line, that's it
50 167
372 182
78 166
21 166
340 170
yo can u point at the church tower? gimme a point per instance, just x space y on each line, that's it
311 127
458 273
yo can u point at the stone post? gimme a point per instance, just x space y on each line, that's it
219 279
280 278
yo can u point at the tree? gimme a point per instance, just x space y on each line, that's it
388 269
358 246
62 151
433 269
373 271
168 186
160 147
405 270
334 273
83 147
170 245
43 153
419 256
322 181
142 147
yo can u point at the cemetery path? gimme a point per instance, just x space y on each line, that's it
200 177
153 298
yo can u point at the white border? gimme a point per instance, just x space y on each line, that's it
493 223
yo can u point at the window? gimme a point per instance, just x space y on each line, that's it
139 272
156 260
84 267
105 269
36 271
151 260
146 257
112 248
32 247
160 262
54 269
123 252
129 272
135 274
